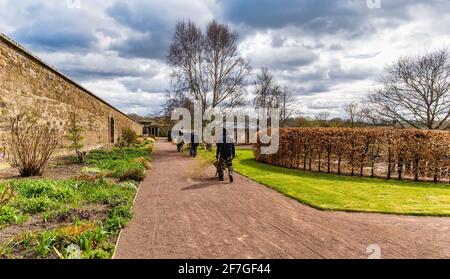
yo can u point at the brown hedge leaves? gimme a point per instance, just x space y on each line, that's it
401 153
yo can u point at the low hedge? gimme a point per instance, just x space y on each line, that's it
402 153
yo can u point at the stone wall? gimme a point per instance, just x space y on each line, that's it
27 83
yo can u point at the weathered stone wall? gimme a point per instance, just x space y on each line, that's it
27 83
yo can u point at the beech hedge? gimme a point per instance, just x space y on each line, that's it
375 152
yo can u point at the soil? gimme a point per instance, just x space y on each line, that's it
177 216
36 223
58 168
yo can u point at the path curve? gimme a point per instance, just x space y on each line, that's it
177 216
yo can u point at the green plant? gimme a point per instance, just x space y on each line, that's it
61 200
99 254
74 136
36 205
109 194
5 250
60 213
25 239
8 215
119 163
90 239
116 223
7 196
128 185
88 177
129 136
53 189
45 242
143 161
92 170
123 211
135 174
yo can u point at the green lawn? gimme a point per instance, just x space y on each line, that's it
345 193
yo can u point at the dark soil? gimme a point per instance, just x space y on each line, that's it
58 168
36 223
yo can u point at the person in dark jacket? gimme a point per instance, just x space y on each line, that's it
180 141
224 155
193 145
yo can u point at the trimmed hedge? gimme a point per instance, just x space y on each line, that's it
401 153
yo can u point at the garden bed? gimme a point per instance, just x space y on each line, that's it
74 210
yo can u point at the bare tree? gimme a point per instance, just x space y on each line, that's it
286 105
353 113
263 89
225 67
207 67
415 92
269 94
173 101
186 58
323 116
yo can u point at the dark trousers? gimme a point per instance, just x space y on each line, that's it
180 146
193 150
224 163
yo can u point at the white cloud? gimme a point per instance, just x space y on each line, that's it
117 49
114 92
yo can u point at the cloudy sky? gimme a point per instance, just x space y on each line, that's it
327 52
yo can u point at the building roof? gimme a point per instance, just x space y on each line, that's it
23 50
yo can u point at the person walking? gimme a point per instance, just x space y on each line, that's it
224 155
193 145
180 141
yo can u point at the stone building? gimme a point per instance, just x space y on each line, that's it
152 127
28 83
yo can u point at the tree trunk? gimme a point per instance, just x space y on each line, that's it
320 161
400 168
339 164
329 162
389 163
416 170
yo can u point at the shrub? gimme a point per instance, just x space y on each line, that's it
75 137
139 141
382 152
129 136
151 148
30 145
135 174
144 162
